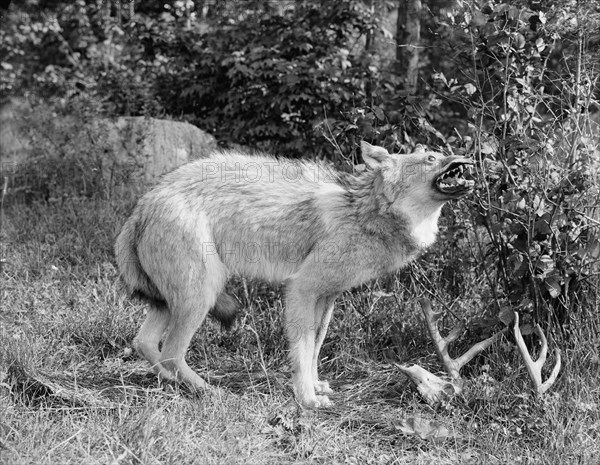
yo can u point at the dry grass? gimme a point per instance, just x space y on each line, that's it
72 391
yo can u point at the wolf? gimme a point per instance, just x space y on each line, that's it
301 223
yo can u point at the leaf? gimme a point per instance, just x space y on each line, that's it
540 45
435 102
429 430
553 287
440 77
506 315
518 265
470 89
542 227
544 265
593 249
519 41
489 145
478 19
539 205
379 113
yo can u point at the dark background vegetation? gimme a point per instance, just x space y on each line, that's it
513 84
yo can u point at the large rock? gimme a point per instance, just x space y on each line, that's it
144 147
153 147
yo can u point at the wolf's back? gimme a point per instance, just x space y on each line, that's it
258 215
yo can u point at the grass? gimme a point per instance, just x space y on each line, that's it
72 391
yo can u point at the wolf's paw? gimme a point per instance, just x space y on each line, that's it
317 402
322 387
164 376
217 393
324 402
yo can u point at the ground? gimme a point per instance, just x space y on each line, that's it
73 391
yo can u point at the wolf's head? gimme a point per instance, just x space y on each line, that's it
425 177
414 186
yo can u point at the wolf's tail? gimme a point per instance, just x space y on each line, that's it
225 310
139 283
130 268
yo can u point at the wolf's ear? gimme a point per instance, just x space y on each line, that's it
373 155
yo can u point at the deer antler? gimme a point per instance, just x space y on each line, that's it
452 365
535 368
429 385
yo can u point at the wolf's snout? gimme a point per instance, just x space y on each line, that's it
456 179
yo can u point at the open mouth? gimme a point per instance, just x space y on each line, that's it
455 180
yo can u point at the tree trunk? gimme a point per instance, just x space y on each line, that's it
105 12
369 35
200 10
408 37
119 12
188 16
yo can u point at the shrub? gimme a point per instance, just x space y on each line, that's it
538 153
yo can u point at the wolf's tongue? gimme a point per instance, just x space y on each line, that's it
454 181
450 178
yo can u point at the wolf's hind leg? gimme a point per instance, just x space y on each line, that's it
186 317
323 314
147 340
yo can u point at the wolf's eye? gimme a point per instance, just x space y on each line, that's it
431 158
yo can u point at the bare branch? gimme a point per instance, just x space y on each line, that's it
535 368
442 344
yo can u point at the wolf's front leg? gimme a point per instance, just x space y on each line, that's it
323 314
300 317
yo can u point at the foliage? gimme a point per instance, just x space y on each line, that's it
276 82
538 151
269 82
74 51
517 83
